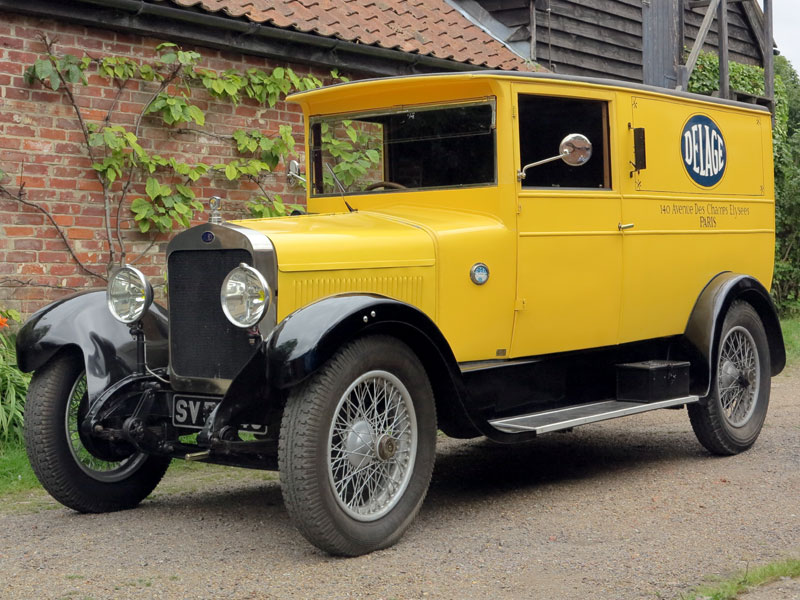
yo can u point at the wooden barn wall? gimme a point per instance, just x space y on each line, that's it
742 43
603 38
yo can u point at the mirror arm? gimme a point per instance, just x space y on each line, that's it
521 172
297 177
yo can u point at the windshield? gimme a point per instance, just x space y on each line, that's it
411 148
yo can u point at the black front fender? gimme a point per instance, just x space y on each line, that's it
83 322
310 336
304 340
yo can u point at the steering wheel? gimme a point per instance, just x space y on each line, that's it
384 184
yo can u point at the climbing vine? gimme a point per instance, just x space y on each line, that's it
121 161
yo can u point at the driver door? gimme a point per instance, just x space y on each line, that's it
569 241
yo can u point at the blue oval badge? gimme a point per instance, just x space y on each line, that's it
703 151
207 237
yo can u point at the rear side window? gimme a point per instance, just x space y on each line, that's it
544 121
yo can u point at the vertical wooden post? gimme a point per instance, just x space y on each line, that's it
680 34
533 28
769 63
722 29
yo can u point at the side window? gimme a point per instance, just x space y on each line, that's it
543 123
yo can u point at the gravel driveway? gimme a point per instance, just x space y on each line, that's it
632 508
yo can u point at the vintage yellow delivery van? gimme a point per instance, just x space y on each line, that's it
489 254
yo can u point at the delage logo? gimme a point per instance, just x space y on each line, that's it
704 152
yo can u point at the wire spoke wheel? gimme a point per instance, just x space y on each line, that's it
357 446
61 458
96 468
739 376
373 442
730 419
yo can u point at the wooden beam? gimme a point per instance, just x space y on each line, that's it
686 70
532 27
681 35
769 64
702 3
724 73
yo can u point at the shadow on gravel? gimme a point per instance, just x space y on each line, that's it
480 468
469 471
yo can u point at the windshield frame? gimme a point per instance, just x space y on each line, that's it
316 169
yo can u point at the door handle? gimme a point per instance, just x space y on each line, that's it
624 226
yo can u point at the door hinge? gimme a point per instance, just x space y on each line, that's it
519 304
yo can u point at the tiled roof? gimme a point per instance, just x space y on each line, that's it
429 27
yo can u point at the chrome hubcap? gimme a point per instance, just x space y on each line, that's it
739 376
373 445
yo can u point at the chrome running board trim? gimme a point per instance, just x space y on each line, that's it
572 416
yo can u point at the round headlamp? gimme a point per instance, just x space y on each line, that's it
245 296
129 294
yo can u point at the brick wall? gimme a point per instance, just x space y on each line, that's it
41 145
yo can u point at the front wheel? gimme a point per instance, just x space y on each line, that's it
730 419
66 469
357 447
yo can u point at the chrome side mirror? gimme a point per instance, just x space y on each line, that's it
575 150
293 173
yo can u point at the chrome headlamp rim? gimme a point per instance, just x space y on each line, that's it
263 309
145 287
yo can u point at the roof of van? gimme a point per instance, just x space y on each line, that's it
516 76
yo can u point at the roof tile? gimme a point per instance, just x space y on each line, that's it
429 27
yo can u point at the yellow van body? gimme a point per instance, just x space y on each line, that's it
570 269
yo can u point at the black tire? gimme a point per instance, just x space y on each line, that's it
729 420
61 463
327 448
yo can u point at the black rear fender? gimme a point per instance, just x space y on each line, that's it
83 323
704 327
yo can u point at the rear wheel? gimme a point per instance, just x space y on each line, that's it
54 408
357 447
731 418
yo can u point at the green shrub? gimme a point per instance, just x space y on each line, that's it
13 383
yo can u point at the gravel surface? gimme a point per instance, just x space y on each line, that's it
628 509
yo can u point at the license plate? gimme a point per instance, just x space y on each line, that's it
191 412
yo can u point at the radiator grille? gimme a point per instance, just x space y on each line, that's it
203 343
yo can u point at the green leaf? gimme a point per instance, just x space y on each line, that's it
184 191
74 74
43 68
152 187
176 111
197 115
231 172
373 155
141 206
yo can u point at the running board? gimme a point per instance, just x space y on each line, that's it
564 418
